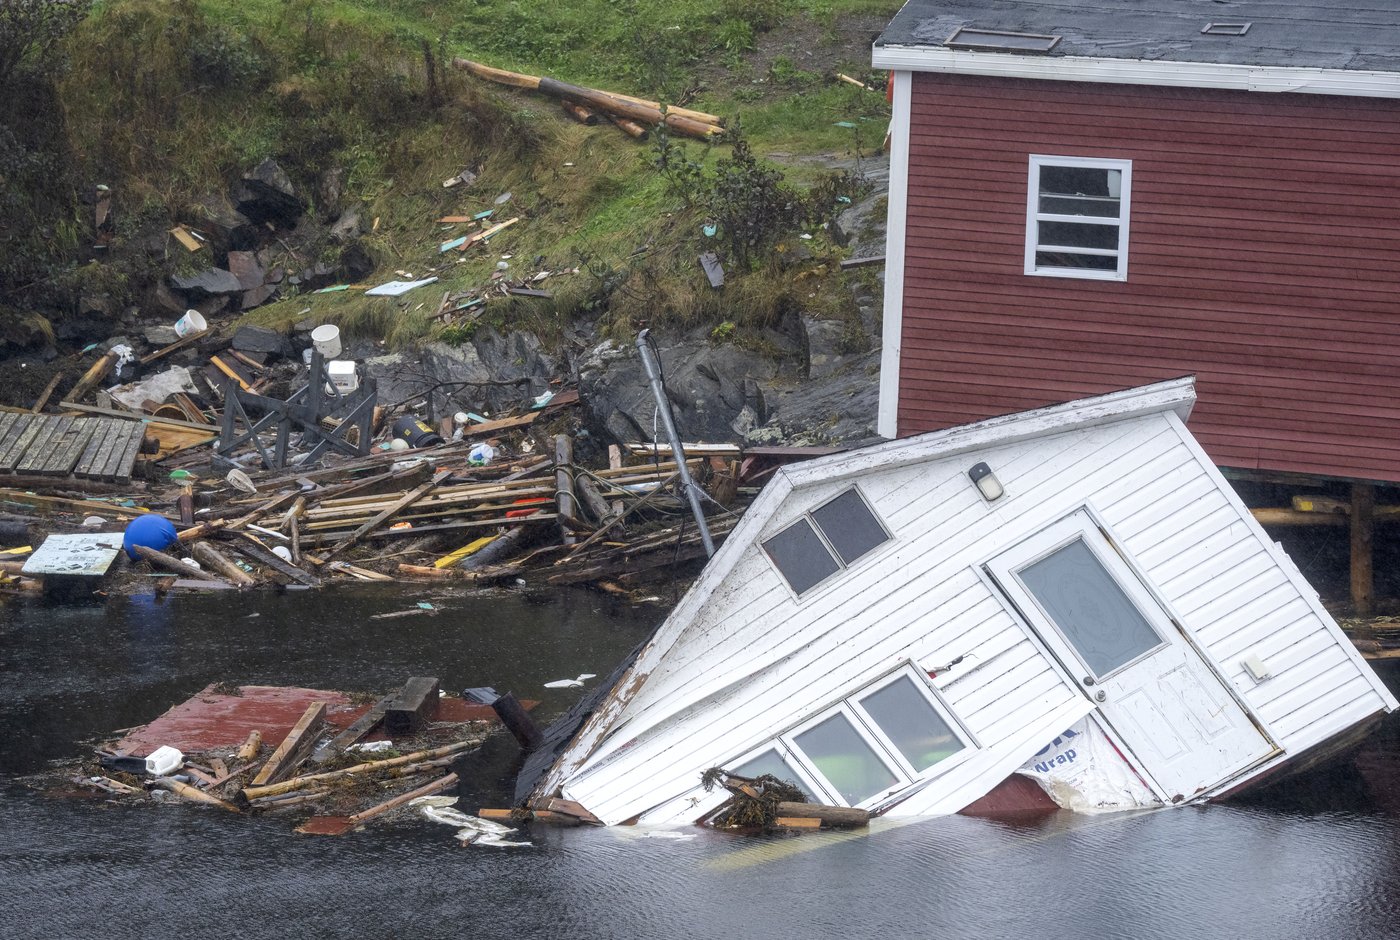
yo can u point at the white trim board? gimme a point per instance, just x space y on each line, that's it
892 317
1258 78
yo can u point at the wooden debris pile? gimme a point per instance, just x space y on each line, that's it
768 804
325 764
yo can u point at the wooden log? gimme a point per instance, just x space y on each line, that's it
564 484
497 815
495 575
255 551
837 817
407 760
414 706
193 794
207 554
592 500
437 786
295 747
249 748
179 344
402 503
644 113
173 564
796 822
499 76
518 721
1363 504
579 113
95 374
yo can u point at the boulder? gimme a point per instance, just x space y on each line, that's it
356 263
489 374
266 194
257 296
347 227
210 282
167 301
160 334
330 189
245 266
227 228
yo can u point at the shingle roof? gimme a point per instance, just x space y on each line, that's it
1358 35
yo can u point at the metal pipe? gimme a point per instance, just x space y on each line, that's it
663 404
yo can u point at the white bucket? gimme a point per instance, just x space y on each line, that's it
326 339
192 322
342 374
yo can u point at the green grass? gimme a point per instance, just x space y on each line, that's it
174 98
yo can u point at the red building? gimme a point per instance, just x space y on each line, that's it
1093 196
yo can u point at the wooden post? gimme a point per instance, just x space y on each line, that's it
564 484
92 376
1363 506
295 747
170 563
250 747
838 817
518 721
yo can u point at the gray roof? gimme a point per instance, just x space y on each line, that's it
1342 34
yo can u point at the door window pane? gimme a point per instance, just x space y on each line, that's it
909 720
845 759
850 526
1081 596
801 556
775 765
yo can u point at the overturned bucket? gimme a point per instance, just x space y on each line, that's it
326 340
191 323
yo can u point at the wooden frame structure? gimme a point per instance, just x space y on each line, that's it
307 409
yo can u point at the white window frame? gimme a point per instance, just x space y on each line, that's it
841 566
885 750
1034 217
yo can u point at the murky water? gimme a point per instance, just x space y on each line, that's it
1318 863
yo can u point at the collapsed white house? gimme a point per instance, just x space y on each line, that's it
904 627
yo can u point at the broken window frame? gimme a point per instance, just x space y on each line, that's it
875 736
1035 217
809 518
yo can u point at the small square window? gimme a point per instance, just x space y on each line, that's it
1077 217
834 535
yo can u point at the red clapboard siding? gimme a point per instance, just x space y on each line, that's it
1264 256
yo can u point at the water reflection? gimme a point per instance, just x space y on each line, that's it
1320 863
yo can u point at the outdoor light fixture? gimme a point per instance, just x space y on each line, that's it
986 481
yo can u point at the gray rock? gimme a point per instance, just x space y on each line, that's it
167 301
207 283
489 374
258 339
229 229
257 296
160 334
245 266
347 227
266 194
329 191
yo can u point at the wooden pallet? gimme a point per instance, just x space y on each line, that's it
100 449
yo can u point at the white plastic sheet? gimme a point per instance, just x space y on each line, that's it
1082 771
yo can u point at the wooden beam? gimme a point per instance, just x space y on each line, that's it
43 398
361 727
1363 504
95 374
206 554
294 747
414 706
839 817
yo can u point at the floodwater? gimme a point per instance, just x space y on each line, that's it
1318 861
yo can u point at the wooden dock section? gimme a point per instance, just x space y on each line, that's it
98 449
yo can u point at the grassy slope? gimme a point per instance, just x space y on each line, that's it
175 97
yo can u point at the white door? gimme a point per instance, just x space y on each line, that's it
1175 715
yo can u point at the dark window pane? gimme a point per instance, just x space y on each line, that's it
1079 235
911 723
775 765
1063 259
850 526
1080 181
845 759
1080 595
1100 206
800 555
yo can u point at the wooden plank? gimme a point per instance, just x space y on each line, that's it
36 431
44 445
408 499
361 727
43 398
7 421
126 460
111 450
1363 504
132 416
61 464
413 707
101 432
13 434
294 747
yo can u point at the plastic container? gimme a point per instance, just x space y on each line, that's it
343 375
192 322
164 761
152 531
326 340
415 432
